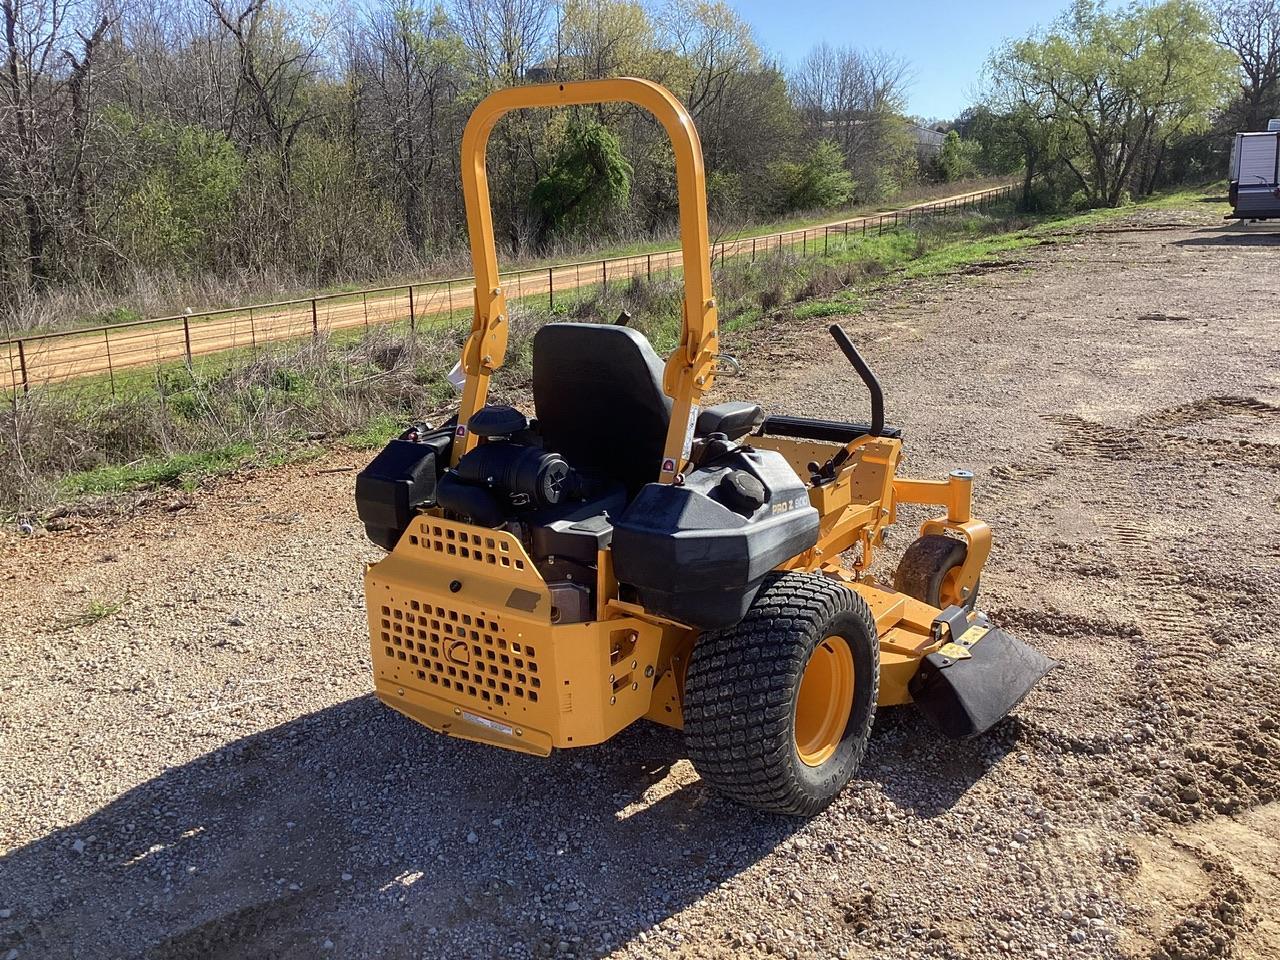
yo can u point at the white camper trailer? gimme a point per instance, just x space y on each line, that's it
1254 180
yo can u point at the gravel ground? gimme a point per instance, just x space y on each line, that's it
191 764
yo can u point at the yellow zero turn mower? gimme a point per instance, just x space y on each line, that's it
633 554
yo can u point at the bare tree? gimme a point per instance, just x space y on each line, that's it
505 37
406 64
276 68
1250 29
854 98
182 66
45 118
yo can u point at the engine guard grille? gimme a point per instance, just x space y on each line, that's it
460 651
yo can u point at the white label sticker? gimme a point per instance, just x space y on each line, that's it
694 410
486 722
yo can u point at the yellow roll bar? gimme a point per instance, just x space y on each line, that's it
690 369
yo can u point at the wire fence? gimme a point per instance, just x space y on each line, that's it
110 351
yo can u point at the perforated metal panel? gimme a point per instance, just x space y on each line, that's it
459 651
491 549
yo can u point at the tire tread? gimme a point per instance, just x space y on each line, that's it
738 693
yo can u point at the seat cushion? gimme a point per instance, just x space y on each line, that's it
734 419
597 390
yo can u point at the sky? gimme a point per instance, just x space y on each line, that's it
946 44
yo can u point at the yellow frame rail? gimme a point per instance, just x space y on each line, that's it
690 369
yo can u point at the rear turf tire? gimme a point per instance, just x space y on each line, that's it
928 570
743 685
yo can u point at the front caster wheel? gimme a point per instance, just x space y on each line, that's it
930 569
778 709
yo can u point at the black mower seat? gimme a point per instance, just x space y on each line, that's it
597 392
734 419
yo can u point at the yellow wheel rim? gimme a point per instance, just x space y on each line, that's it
825 701
948 593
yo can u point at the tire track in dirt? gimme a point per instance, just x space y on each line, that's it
1192 620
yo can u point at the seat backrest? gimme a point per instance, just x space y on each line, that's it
597 390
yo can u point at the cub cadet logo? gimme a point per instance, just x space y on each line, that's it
787 505
458 653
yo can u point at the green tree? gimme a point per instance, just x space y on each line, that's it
958 157
819 181
174 208
588 180
1016 138
604 38
1115 84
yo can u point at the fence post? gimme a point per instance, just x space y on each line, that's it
826 236
111 371
253 333
753 249
448 295
413 320
864 226
604 275
648 266
895 219
551 288
186 336
804 243
315 322
22 365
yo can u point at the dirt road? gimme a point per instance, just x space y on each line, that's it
57 358
203 773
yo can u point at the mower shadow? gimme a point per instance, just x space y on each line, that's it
1231 236
449 849
925 773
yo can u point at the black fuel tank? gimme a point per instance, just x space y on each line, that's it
697 553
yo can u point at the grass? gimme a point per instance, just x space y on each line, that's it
93 612
178 470
358 388
374 434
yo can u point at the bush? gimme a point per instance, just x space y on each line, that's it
823 282
821 181
770 297
589 179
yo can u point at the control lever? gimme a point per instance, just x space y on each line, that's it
828 470
868 377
